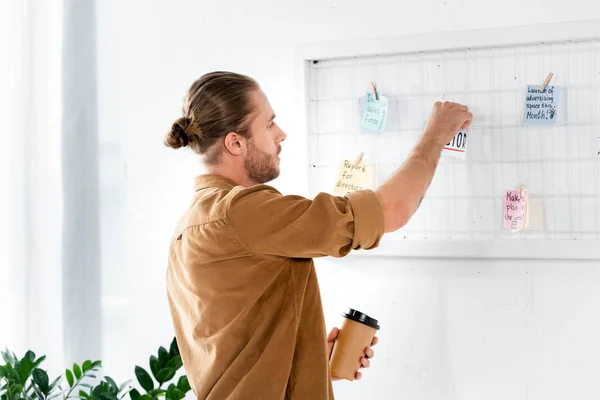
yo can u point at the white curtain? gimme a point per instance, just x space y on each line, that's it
49 249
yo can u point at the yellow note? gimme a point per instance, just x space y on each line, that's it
353 177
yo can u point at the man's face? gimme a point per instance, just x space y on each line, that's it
262 158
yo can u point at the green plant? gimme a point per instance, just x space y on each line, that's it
164 366
79 379
22 379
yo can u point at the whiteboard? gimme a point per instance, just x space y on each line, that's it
462 213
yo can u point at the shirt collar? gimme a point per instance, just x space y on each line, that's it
213 180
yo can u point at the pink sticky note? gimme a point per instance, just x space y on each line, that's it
515 210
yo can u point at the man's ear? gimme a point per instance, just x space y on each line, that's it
235 144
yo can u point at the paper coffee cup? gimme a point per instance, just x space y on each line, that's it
355 336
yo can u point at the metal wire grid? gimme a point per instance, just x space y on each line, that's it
559 164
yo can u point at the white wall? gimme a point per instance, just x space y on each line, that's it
451 329
473 329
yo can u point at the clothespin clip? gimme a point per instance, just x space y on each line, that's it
359 158
521 187
546 82
375 90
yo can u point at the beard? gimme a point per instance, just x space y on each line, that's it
261 166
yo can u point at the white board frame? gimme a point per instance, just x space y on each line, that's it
439 41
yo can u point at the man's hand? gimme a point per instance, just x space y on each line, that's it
446 120
365 362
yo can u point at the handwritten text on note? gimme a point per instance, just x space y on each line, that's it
541 107
516 211
374 112
353 177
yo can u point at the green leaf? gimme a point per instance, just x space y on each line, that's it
124 385
111 395
145 397
87 365
134 394
25 368
39 361
175 363
16 389
174 349
30 355
170 391
165 375
69 376
174 393
97 391
125 393
40 378
55 395
177 394
77 371
97 364
163 357
154 365
39 393
83 394
5 356
12 373
53 384
9 357
112 383
184 384
144 378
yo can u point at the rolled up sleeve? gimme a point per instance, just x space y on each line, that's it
368 219
269 223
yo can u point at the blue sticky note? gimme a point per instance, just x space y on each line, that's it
374 113
541 108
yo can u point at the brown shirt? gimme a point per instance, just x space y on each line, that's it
243 292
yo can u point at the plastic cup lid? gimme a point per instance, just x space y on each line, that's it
357 316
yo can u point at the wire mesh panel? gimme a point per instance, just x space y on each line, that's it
559 164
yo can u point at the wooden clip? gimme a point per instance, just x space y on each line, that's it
546 82
375 91
359 158
521 187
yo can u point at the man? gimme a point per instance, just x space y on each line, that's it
242 287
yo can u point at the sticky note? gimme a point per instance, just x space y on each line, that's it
516 212
457 147
363 100
541 108
353 177
374 112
